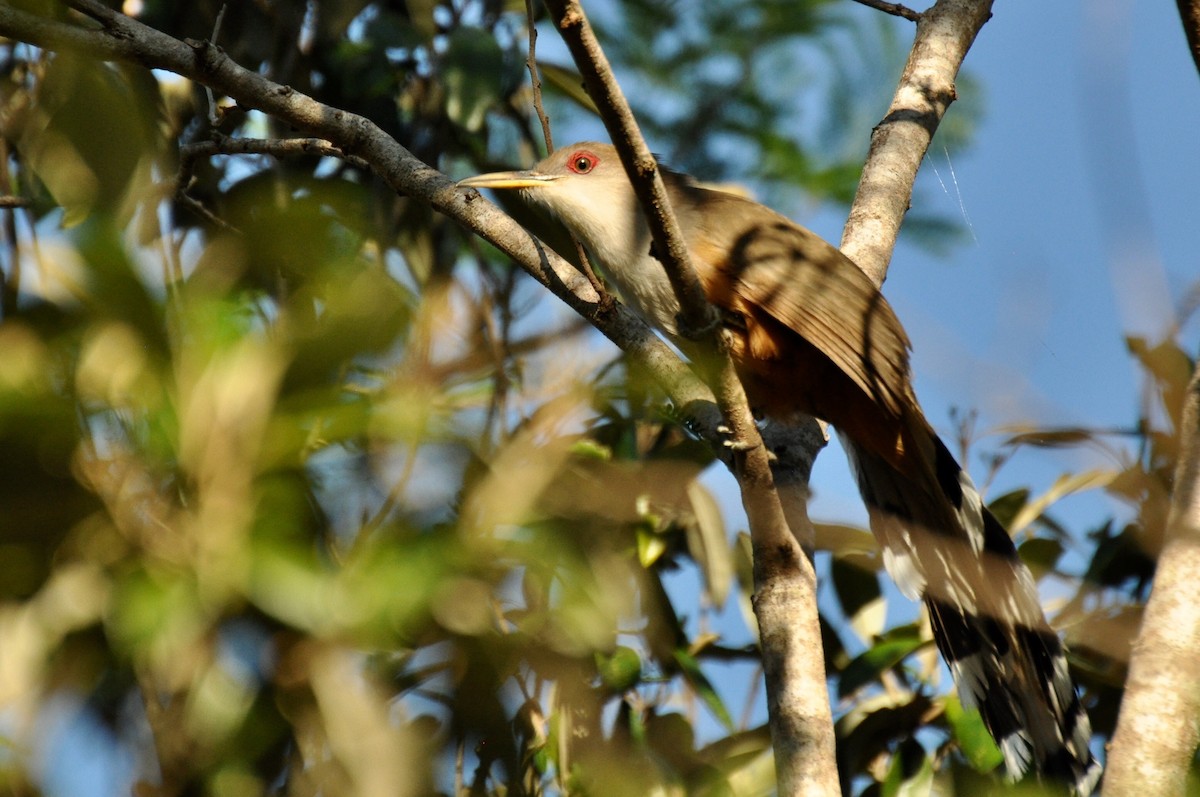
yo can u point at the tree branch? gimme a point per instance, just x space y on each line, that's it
785 599
898 143
277 148
1158 728
895 9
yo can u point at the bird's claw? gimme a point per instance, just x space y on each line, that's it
732 444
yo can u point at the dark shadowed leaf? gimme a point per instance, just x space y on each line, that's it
858 592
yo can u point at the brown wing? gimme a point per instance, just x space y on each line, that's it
781 278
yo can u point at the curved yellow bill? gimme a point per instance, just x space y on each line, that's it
525 179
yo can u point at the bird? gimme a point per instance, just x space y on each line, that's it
809 333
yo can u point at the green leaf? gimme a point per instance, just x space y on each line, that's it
650 546
621 670
1041 554
911 772
1006 507
868 666
703 687
420 12
1050 438
90 136
586 448
972 735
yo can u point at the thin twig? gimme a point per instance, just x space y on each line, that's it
214 115
535 79
14 202
895 9
276 147
224 145
585 264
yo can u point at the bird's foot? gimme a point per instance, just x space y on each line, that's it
729 442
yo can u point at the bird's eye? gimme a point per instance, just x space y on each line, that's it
582 162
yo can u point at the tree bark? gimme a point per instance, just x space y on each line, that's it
1158 728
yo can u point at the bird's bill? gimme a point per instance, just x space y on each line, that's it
527 179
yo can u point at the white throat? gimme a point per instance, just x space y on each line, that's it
608 221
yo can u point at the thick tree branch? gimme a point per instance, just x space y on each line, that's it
898 144
1158 728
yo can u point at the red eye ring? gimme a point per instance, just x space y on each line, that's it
582 162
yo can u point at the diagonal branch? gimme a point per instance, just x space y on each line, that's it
784 580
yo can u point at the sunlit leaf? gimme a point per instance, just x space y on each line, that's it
1171 367
972 736
843 540
621 670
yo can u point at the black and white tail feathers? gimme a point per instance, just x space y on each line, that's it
941 545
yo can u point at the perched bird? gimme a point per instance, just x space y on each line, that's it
810 333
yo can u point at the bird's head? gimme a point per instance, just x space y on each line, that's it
586 187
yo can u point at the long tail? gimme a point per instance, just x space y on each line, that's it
941 545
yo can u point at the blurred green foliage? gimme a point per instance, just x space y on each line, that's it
297 495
